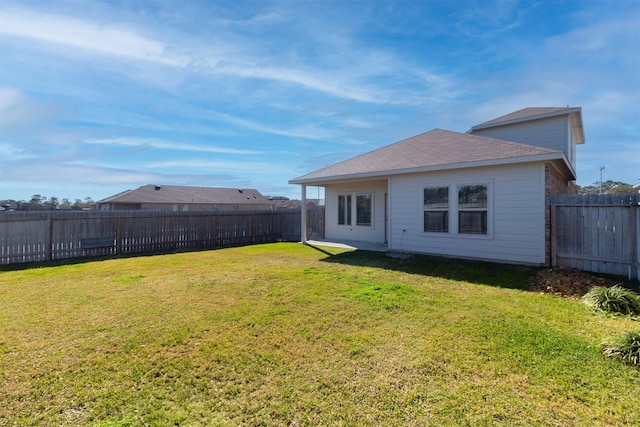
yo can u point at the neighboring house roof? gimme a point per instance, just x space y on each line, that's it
187 195
534 113
430 151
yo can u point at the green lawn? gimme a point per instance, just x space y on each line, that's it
285 334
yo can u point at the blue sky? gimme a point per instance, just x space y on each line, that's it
99 97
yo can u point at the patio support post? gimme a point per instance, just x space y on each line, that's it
303 215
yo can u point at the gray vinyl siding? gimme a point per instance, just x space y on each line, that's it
553 133
353 232
516 229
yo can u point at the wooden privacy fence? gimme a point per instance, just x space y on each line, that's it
55 235
598 233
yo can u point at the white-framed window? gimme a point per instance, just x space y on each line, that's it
473 209
436 209
344 209
358 206
458 209
364 209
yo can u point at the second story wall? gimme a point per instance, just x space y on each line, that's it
553 133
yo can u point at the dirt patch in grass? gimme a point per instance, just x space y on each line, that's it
568 282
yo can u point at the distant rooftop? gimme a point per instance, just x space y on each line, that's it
187 195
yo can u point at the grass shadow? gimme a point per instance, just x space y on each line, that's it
111 256
509 276
319 249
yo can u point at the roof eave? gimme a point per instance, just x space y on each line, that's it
115 197
527 119
579 126
465 165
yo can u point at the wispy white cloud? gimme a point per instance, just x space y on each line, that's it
486 19
17 111
598 37
216 165
165 145
307 132
345 78
55 173
193 93
314 80
13 152
8 98
84 34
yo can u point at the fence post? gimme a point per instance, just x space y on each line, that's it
173 243
216 230
282 231
553 236
254 237
635 235
49 243
272 229
303 215
118 235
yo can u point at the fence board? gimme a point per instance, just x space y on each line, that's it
597 233
56 235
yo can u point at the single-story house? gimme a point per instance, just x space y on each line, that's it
183 199
483 194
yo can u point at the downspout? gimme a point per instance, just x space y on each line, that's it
303 215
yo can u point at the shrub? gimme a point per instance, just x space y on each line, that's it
625 346
615 299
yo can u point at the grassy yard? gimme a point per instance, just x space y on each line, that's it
285 334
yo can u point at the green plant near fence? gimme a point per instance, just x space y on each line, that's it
625 346
614 299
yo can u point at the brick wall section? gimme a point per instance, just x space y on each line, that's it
555 183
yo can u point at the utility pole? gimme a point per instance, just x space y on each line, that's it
601 169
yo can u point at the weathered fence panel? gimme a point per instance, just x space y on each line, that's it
598 233
315 222
56 235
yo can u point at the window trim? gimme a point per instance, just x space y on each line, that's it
348 210
484 209
371 208
453 186
447 210
352 214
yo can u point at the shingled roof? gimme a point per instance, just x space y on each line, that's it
527 114
434 150
187 195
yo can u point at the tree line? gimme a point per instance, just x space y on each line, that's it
607 187
40 203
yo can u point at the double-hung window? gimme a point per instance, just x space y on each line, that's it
472 209
344 209
436 209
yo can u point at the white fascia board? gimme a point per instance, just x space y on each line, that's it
483 163
528 118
